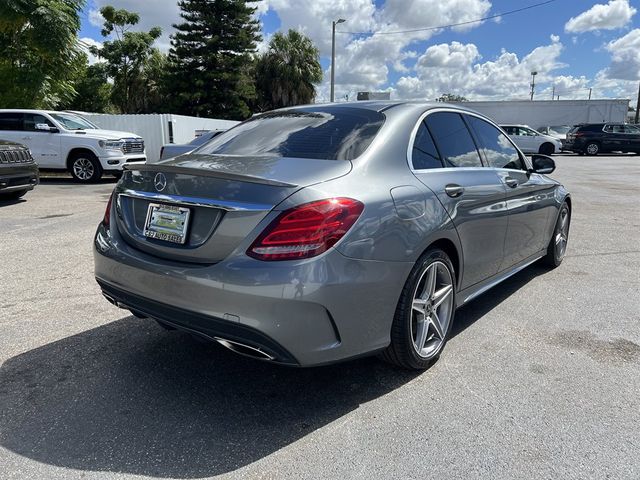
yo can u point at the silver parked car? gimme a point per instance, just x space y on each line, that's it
320 233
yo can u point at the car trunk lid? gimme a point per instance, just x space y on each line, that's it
226 198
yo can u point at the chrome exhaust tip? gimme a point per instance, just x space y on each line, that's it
243 349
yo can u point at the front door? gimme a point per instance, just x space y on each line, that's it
446 159
529 198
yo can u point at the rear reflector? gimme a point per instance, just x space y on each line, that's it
307 230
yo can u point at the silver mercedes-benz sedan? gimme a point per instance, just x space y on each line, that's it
320 233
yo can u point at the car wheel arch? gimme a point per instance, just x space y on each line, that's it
74 152
448 246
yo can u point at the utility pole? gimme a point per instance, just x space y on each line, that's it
533 83
590 93
553 94
638 106
333 54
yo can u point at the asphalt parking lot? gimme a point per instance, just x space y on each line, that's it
541 378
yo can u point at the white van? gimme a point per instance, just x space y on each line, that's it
66 141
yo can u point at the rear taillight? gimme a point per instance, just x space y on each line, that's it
307 230
106 220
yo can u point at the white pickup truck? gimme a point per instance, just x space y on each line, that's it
66 141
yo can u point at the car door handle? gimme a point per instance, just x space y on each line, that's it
454 190
511 182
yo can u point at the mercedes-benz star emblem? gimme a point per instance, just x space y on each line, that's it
160 182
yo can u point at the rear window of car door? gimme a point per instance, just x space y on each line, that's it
454 142
498 150
11 121
424 154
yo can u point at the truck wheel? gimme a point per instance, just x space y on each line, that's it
547 149
85 167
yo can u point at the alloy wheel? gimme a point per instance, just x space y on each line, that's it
432 309
592 149
562 234
83 168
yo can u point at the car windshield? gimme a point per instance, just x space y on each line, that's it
560 129
73 122
328 133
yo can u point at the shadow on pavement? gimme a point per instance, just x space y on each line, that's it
61 180
130 397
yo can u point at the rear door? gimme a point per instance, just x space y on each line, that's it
445 158
530 199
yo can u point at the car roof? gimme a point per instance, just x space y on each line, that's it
28 110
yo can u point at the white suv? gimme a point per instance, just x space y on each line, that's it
66 141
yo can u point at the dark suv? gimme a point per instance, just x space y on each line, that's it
18 171
595 138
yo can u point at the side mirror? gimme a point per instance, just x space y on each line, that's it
46 128
543 164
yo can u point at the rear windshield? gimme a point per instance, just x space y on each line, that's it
329 133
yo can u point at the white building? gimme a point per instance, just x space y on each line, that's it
539 113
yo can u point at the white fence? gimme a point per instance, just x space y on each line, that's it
158 129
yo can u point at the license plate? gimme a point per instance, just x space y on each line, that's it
167 222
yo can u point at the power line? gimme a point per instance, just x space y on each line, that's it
452 24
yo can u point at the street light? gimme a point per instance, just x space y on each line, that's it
333 53
533 83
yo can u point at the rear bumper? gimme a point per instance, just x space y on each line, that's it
18 177
310 312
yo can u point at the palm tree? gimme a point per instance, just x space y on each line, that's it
287 72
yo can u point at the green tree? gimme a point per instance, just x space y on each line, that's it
450 97
287 72
130 59
39 55
210 56
93 91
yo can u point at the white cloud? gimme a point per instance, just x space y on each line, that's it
456 68
625 57
153 13
615 14
85 43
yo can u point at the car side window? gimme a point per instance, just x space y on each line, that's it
454 142
510 130
631 129
526 132
608 128
424 154
498 150
11 121
33 119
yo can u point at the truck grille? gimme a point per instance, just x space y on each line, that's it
15 156
133 145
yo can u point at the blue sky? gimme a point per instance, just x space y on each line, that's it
575 45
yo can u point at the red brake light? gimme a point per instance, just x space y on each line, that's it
306 230
107 213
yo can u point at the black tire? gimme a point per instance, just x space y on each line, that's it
592 148
555 250
13 195
402 350
85 167
547 149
